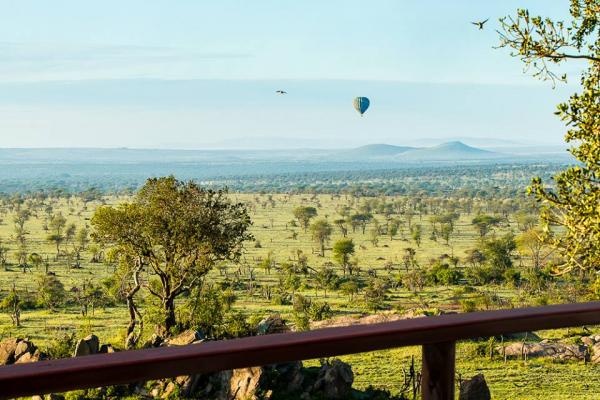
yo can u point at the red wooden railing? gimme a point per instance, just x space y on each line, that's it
437 335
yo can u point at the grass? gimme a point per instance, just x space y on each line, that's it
535 379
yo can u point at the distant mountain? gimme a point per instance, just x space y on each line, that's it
376 151
450 151
479 142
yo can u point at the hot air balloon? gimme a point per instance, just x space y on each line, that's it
361 104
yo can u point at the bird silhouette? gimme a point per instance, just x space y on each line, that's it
280 92
480 23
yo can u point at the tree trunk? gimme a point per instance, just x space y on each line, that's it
169 309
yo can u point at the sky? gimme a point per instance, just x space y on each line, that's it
203 74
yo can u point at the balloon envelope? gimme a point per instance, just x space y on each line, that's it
361 104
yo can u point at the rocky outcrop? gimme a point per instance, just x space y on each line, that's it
334 380
475 388
272 324
290 380
184 338
559 351
87 346
7 350
18 351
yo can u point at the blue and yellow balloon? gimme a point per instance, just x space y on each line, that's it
361 104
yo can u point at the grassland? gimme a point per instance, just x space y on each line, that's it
273 229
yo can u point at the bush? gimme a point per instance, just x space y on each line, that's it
512 277
301 321
468 305
61 346
318 311
442 273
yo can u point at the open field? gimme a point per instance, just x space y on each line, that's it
273 227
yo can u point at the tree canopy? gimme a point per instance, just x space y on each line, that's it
177 231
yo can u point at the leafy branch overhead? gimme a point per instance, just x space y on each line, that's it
572 201
541 42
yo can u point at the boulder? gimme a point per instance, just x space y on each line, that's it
334 380
184 338
24 346
244 383
188 384
596 353
106 348
86 346
168 391
475 388
559 351
588 340
7 350
154 341
29 357
272 324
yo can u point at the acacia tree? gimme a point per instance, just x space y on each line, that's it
485 223
574 200
304 215
178 231
11 305
342 250
321 231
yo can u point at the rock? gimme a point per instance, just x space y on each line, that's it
334 380
288 375
7 350
86 346
24 346
272 324
187 384
154 341
244 383
29 357
588 341
169 390
106 348
596 353
187 337
558 351
474 389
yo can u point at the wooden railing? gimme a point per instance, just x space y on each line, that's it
437 335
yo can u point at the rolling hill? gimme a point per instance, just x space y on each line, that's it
450 151
375 151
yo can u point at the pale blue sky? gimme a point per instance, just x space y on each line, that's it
197 73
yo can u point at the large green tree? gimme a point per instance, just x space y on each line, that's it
572 201
177 231
342 250
321 231
304 214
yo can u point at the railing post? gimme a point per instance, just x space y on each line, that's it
437 372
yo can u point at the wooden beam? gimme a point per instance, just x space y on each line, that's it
437 373
131 366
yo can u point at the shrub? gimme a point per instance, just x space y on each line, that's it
318 311
468 305
61 346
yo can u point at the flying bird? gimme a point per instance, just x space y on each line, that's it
280 92
480 23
